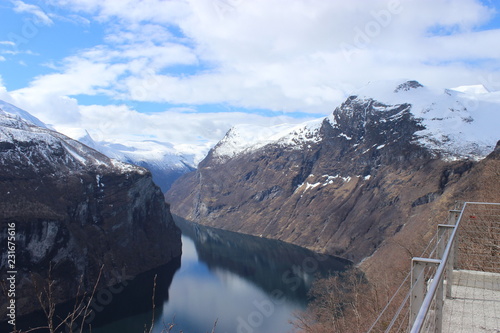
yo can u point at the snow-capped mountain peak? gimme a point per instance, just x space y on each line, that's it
164 161
456 123
151 151
59 153
408 85
459 122
20 113
242 137
245 138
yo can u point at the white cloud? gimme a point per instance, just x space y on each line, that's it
137 53
2 58
51 109
40 16
81 77
282 55
7 42
184 128
122 123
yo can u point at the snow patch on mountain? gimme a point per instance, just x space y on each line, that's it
15 130
459 123
246 138
299 135
14 110
160 154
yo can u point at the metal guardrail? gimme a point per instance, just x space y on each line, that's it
427 289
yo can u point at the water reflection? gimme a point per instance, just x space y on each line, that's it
125 307
130 309
269 264
248 284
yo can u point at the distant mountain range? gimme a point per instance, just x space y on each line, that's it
458 123
165 163
346 183
161 158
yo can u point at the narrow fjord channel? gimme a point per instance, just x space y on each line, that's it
245 283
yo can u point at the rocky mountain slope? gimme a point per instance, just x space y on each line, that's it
74 209
346 183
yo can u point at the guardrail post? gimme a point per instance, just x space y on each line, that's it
439 307
417 289
442 228
418 286
453 216
453 219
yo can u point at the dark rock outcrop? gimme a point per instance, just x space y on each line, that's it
74 211
408 85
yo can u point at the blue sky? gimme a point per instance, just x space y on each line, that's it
42 45
194 68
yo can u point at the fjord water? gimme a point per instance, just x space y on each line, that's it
245 283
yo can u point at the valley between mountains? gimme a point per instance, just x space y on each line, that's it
368 183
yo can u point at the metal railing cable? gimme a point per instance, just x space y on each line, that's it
404 320
437 280
428 316
388 303
398 312
424 308
403 303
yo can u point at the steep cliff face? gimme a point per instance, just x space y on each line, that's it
341 185
74 210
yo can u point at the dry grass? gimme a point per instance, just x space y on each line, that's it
341 303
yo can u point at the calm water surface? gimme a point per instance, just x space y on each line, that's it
247 284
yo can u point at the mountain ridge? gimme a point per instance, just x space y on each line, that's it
160 158
449 117
350 184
